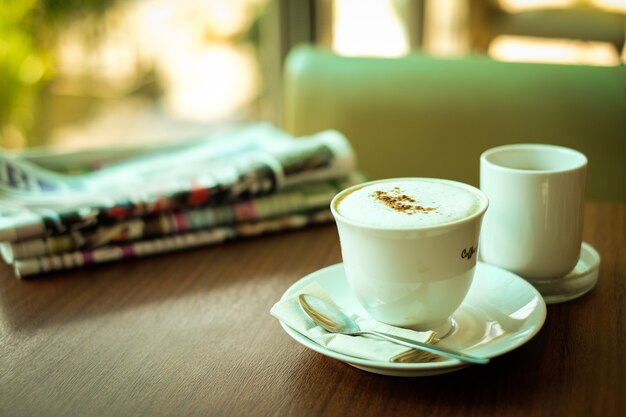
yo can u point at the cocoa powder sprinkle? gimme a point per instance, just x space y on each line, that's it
398 201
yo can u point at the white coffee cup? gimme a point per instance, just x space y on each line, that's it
534 223
411 275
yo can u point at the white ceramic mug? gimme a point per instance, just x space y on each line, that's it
534 223
415 276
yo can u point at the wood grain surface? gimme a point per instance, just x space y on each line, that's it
190 334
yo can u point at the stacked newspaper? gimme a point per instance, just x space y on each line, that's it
242 182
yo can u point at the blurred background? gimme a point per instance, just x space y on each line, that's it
78 74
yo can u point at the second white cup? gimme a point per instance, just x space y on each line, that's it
536 194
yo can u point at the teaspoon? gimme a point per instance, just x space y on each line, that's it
333 320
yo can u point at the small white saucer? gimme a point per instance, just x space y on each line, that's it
581 280
500 313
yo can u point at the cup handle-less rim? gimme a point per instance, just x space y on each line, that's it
500 157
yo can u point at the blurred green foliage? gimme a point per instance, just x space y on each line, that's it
27 30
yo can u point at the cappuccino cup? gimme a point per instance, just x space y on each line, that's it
409 247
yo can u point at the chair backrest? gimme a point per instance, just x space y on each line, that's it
424 116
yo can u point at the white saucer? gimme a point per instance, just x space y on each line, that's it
581 280
500 313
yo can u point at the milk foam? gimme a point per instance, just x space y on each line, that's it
408 203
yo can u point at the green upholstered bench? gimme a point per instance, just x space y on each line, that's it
420 115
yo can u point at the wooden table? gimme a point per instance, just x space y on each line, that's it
190 334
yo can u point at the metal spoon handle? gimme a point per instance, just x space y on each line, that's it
439 350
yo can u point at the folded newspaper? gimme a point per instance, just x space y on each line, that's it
238 183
